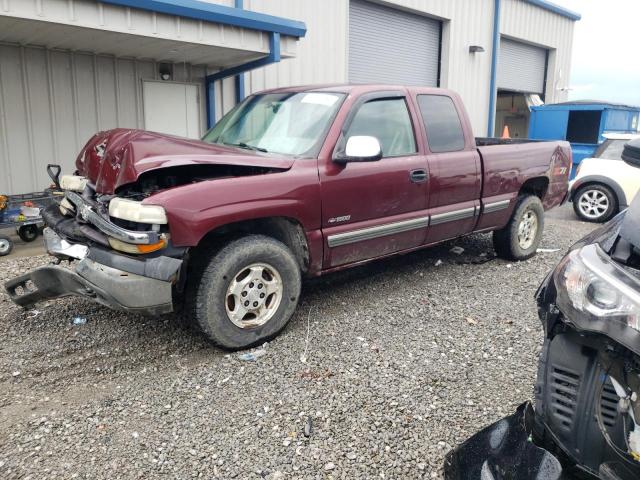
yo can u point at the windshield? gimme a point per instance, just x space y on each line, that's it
610 149
286 123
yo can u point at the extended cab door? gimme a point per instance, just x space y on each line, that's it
455 176
370 209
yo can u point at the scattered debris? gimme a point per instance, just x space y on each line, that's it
472 321
135 434
438 263
252 356
352 455
79 320
457 250
16 373
547 250
329 466
33 313
509 265
308 427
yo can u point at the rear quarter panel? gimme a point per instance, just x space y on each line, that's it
507 167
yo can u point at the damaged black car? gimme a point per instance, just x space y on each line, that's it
586 419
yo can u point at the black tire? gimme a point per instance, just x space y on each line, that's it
28 233
206 296
506 242
6 245
596 189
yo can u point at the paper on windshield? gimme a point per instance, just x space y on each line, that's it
319 99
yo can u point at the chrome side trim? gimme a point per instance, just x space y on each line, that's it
453 216
111 229
496 206
378 231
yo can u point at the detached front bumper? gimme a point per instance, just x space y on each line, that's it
503 451
117 281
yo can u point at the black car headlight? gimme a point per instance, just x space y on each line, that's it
591 288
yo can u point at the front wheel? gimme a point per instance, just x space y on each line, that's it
246 293
520 238
595 203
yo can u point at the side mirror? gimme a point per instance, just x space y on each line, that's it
631 153
360 148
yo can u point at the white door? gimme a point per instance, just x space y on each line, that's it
171 107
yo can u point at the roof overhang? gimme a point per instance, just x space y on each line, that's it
112 28
552 7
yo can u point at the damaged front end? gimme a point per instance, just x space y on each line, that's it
503 451
122 249
587 394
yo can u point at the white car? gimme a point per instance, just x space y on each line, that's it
605 184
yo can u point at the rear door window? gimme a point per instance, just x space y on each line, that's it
388 120
441 120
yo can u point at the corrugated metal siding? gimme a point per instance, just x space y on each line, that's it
52 102
521 67
322 53
389 45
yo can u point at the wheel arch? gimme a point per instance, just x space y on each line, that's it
284 229
537 186
602 180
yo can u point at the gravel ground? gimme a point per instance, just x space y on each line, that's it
404 359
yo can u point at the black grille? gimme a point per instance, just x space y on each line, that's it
609 405
564 393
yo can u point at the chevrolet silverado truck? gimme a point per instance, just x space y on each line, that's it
291 183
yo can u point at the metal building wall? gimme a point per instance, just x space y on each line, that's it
323 53
52 102
524 21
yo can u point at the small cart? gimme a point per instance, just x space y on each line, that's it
23 212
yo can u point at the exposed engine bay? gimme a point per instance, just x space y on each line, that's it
154 181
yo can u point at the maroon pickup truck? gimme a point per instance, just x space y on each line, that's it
292 182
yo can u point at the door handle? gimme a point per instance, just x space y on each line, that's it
418 176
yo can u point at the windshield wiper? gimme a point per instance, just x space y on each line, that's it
246 146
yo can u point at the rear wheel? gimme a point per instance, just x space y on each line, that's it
520 238
595 203
6 245
246 293
28 233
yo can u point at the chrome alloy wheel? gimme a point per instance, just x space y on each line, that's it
593 204
527 229
254 295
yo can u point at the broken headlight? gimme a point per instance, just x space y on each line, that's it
592 288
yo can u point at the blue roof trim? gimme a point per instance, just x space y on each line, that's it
211 12
552 7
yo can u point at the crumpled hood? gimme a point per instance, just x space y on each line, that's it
114 158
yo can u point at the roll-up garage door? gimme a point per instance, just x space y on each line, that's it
392 46
521 67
